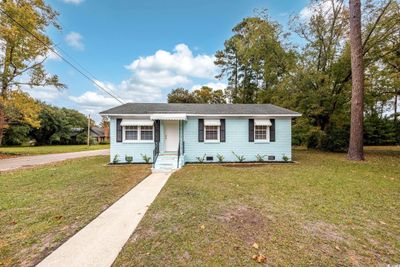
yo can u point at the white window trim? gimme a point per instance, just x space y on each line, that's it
138 135
262 140
212 140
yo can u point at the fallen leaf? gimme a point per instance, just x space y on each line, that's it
254 257
261 258
382 222
337 248
255 245
202 227
59 217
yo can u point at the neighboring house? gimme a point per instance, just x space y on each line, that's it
174 134
98 134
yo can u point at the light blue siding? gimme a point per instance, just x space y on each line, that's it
130 149
237 140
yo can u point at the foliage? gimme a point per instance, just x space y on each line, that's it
116 159
204 95
17 135
61 126
181 95
21 63
201 159
220 158
240 158
262 66
285 158
260 158
128 159
254 60
146 158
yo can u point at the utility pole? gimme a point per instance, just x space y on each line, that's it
88 131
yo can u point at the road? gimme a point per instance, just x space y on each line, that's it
31 161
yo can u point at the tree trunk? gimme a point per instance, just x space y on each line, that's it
356 151
2 124
397 93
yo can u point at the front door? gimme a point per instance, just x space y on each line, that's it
171 135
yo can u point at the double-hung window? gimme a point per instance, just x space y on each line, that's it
146 133
131 133
262 130
211 133
138 133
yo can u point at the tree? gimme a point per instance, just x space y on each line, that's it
254 60
204 95
356 151
180 95
21 64
21 110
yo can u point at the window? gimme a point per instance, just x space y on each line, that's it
211 133
138 133
131 132
261 133
146 132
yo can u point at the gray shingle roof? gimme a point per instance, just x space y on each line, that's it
157 108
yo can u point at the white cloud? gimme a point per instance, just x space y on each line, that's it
213 85
324 7
93 99
179 63
74 39
47 93
75 2
152 77
50 56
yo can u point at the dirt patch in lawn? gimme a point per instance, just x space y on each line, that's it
324 231
244 221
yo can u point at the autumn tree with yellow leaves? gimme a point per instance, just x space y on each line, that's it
24 47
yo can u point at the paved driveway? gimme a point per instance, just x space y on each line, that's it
30 161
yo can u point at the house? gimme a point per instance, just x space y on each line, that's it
175 134
99 134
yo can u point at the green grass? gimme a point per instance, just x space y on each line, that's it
39 150
40 208
322 211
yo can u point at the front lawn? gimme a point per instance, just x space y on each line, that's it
322 211
39 150
42 207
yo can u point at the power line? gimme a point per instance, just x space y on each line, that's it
94 81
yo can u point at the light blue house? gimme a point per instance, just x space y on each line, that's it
170 135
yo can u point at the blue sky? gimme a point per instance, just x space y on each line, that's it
143 49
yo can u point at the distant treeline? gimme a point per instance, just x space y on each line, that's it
57 126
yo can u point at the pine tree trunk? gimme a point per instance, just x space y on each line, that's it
356 151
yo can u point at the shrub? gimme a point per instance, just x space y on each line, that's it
116 159
201 159
128 159
240 158
260 157
146 158
220 158
285 158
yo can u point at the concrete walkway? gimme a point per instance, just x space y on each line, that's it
30 161
99 243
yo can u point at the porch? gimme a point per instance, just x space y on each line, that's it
168 141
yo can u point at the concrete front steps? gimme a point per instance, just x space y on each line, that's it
166 162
